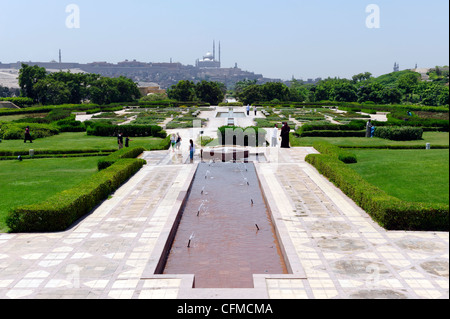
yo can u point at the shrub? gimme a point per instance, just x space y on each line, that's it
249 136
132 152
16 131
61 210
335 151
355 125
19 101
390 212
102 129
404 133
334 134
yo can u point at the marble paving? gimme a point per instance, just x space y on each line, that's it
335 249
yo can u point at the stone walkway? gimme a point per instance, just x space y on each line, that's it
334 249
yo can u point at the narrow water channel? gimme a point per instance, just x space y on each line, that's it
225 234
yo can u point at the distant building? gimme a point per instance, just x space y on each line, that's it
209 60
147 90
396 67
162 74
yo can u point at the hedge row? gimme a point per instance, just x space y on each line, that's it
55 152
19 101
390 212
132 152
248 136
61 210
102 129
16 131
25 157
404 133
336 152
333 133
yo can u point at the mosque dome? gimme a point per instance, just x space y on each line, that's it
208 57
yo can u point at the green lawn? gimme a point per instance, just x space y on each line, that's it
78 141
33 181
435 138
410 175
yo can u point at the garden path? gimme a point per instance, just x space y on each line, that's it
335 250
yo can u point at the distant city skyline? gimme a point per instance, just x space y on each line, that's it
283 39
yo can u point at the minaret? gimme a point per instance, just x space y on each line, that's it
59 56
220 55
214 50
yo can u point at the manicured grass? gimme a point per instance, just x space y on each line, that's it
78 141
32 181
410 175
435 138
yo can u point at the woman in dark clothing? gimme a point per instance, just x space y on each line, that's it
285 131
28 135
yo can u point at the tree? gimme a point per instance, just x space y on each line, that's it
369 92
298 91
408 81
51 92
210 92
275 90
240 86
433 94
251 94
28 77
343 91
362 77
390 96
182 91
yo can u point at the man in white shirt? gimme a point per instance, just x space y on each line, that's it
275 136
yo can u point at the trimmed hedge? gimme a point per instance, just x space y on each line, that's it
248 135
132 152
61 210
335 151
334 134
102 129
355 128
16 131
404 133
51 151
388 211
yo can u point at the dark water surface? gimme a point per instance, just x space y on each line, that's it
226 247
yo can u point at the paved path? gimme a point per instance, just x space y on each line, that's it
335 250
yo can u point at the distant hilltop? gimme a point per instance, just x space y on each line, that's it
164 74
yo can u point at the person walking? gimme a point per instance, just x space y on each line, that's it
178 143
120 140
255 109
369 128
275 136
191 150
28 135
248 109
173 142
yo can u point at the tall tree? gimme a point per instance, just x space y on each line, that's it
182 91
28 77
209 92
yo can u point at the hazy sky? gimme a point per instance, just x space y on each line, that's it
279 39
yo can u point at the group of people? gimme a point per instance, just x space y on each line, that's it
175 142
370 129
285 140
254 109
120 141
